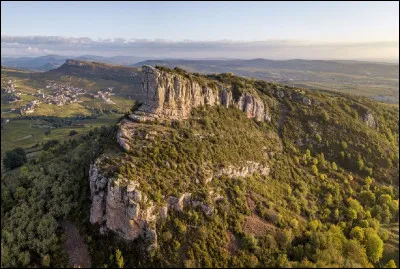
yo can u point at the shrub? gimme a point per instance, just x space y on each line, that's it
334 166
374 245
73 132
391 264
50 144
314 169
15 158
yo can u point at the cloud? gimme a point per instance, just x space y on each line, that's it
273 49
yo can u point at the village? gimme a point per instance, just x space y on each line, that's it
104 95
60 95
11 93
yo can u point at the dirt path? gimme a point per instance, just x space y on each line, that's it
75 246
23 138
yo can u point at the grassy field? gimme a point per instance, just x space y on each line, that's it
26 133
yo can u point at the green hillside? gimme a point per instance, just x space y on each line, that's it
330 198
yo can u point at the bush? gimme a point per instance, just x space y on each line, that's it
50 144
15 158
391 264
73 132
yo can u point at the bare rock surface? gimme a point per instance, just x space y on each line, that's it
171 96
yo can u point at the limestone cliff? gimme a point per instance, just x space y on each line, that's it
167 95
116 205
119 205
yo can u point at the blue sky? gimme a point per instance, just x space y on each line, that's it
305 22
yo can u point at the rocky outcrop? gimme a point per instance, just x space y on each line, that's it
253 107
186 200
368 119
119 205
365 115
166 95
122 209
249 169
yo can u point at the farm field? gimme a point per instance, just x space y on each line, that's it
27 133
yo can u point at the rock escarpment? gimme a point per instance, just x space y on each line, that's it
166 95
119 205
366 116
369 119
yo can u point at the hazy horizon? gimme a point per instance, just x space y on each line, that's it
364 31
371 60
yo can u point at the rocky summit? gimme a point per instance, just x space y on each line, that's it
172 96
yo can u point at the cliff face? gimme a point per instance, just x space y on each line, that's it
171 96
118 208
119 205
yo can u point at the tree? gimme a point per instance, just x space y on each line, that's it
314 169
344 145
46 261
119 258
351 213
321 159
325 116
391 264
360 164
357 233
373 244
15 158
319 138
367 198
334 166
356 253
308 154
50 144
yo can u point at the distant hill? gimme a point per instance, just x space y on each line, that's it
97 70
48 62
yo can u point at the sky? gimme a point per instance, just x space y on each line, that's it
275 30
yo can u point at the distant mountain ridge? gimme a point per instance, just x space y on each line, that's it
348 67
48 62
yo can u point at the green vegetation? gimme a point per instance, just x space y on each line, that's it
15 158
30 132
46 190
330 199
